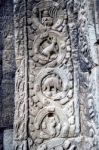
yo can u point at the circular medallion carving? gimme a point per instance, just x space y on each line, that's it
48 47
48 12
51 122
52 84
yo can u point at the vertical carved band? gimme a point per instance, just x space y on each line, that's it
46 94
21 79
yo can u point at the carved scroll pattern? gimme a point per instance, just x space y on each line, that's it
87 97
51 78
54 40
20 119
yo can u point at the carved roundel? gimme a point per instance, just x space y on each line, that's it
48 47
52 84
48 11
52 122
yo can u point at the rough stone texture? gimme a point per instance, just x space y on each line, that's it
56 102
8 139
55 44
7 66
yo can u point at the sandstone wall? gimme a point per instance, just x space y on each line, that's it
7 66
17 32
35 95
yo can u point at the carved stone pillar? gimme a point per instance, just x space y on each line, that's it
51 51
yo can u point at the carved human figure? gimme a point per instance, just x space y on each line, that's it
46 19
51 126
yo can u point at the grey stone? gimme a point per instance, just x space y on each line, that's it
8 139
49 72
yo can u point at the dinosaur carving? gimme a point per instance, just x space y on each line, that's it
52 82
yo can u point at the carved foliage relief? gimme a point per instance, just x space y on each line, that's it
54 102
52 116
52 55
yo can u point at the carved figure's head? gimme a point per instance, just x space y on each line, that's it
46 19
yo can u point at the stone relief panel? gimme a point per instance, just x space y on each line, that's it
20 106
87 82
52 116
20 123
51 48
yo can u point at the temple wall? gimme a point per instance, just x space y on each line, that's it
7 67
49 74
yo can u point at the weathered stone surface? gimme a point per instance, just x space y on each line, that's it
8 139
55 89
7 64
51 47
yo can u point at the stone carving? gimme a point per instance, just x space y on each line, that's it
20 94
57 145
53 83
48 16
91 107
48 116
51 123
51 102
48 47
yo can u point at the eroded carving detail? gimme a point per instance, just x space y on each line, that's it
50 16
58 145
51 114
51 80
49 46
53 84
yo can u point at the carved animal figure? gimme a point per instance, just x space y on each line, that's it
47 51
53 82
